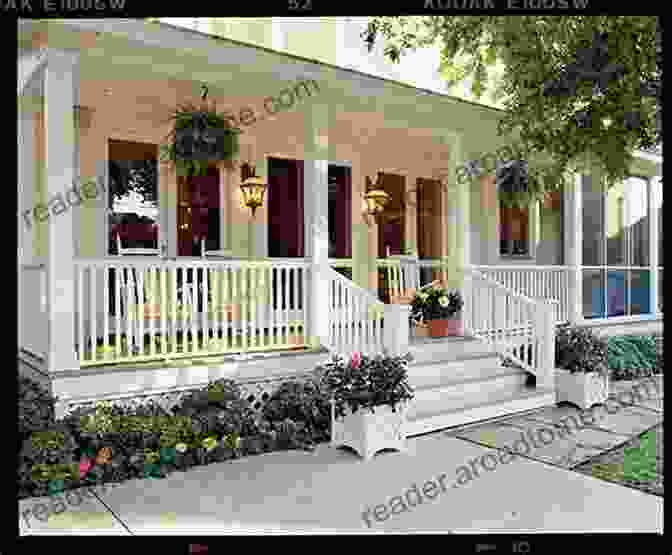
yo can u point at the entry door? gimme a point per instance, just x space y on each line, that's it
285 228
198 213
429 223
391 222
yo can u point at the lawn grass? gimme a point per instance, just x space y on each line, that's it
637 463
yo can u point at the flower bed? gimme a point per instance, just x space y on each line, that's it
634 356
115 442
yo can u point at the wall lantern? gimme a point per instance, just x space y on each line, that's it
375 197
252 188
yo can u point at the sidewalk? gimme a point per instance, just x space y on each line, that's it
332 490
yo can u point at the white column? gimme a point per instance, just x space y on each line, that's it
316 214
457 217
26 185
59 94
655 199
168 207
572 198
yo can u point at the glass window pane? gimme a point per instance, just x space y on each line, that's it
616 282
593 294
660 290
637 223
593 228
133 195
640 287
615 224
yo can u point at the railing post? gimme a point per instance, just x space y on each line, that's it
396 329
546 364
573 246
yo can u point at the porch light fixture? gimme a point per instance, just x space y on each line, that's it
253 189
375 197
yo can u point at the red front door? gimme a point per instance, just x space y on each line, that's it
198 213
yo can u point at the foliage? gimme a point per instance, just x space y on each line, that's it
139 176
631 356
300 401
540 53
434 302
199 137
579 349
366 382
36 408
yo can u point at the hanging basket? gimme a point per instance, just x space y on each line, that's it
200 137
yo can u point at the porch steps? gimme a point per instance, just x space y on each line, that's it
502 404
459 380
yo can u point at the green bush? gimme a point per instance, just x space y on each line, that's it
47 462
633 356
36 408
301 401
579 349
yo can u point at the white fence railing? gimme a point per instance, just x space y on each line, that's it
144 308
33 317
536 282
518 327
359 322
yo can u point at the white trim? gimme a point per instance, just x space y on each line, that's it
29 64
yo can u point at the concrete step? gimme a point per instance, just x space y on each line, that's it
502 404
455 394
434 373
426 350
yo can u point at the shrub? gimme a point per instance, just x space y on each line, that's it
219 409
36 408
632 352
300 401
366 382
579 349
47 462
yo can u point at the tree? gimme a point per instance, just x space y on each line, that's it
133 175
573 87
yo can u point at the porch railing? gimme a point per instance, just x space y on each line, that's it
33 317
146 309
520 328
536 282
359 322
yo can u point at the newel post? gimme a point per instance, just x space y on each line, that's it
546 378
396 330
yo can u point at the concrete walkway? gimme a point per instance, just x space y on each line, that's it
451 482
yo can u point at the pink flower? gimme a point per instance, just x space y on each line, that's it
84 466
356 360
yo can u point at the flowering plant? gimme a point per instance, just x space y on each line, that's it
366 382
435 302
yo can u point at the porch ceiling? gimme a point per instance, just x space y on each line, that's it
146 51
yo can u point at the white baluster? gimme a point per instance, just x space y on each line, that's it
164 309
152 300
80 304
118 292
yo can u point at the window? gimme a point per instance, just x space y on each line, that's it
616 235
514 231
133 196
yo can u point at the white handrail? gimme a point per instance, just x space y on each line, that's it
356 320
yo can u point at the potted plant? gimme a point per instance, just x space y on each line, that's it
441 309
200 136
418 319
581 374
369 397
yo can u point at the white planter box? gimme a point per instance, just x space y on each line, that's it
583 389
367 432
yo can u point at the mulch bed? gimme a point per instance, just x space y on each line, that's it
637 463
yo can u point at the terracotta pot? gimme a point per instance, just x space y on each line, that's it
456 326
438 328
421 329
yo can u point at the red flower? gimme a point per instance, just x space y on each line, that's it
84 466
356 360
